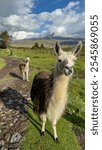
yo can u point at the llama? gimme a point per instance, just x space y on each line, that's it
24 69
49 92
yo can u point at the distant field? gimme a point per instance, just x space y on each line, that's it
46 42
30 43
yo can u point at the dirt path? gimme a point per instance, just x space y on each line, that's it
14 102
11 63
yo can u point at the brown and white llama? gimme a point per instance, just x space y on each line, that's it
24 69
49 92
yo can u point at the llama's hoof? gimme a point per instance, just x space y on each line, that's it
42 133
56 140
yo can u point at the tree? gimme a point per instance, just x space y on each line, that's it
42 46
2 44
36 45
5 39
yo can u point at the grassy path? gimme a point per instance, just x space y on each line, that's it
2 63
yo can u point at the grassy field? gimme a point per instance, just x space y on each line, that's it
71 126
2 63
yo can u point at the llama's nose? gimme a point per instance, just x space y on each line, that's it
70 69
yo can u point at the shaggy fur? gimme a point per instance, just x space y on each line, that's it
41 96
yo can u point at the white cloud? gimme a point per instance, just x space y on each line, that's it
24 35
59 31
70 6
18 7
22 23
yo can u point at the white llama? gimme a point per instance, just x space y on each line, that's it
49 92
24 69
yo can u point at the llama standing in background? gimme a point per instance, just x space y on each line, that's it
49 92
24 69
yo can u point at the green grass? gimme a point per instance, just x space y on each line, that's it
2 63
75 112
33 140
4 52
76 97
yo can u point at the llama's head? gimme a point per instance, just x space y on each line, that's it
27 59
66 60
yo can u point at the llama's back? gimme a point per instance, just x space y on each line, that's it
41 91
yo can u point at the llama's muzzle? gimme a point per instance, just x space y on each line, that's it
68 71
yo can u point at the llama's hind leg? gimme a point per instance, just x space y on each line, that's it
43 118
55 131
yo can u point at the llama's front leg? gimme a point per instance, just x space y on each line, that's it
23 75
55 131
43 118
43 128
27 76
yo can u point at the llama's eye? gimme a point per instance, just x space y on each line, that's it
59 60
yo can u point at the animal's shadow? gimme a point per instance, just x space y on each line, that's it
15 75
12 99
36 124
75 119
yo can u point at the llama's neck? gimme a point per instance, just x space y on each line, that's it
27 65
61 81
60 86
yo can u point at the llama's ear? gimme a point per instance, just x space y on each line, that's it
77 48
57 48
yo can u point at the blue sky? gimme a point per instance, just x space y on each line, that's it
25 19
50 5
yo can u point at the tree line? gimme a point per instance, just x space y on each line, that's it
36 46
